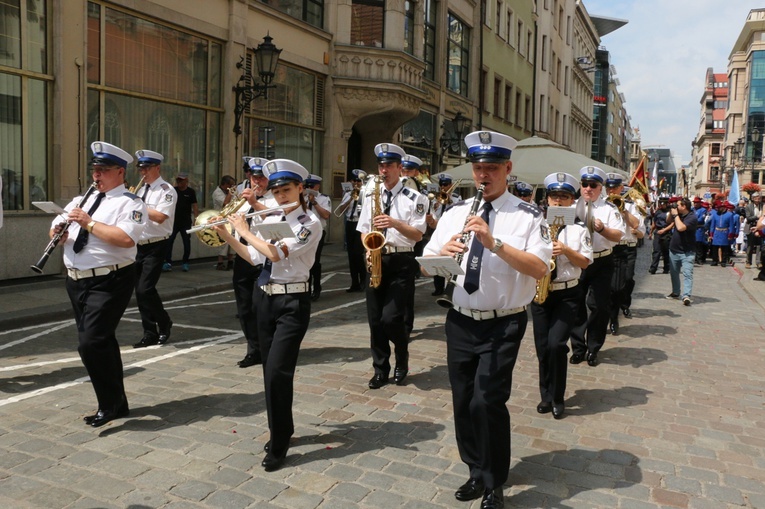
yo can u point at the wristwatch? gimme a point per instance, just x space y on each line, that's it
497 245
90 226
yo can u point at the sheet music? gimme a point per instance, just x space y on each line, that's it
49 207
561 215
275 231
347 187
445 266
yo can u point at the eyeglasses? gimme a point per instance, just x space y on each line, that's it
591 185
559 196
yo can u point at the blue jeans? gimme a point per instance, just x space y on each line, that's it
681 262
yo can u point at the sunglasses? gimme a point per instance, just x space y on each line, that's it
591 185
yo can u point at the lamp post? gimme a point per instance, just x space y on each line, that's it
458 125
741 149
246 89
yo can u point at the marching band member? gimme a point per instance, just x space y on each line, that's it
160 198
403 222
523 191
321 205
624 254
284 304
245 274
350 208
589 332
440 204
554 317
99 251
484 328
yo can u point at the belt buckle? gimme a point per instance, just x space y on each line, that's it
475 314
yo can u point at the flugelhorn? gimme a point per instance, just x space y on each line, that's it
38 267
135 188
209 236
225 220
445 301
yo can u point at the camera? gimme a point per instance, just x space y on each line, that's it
673 205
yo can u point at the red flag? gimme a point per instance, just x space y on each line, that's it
638 179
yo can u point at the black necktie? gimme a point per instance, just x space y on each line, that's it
145 192
249 223
388 200
353 210
473 273
265 274
82 237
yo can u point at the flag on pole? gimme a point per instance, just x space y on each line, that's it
734 195
638 179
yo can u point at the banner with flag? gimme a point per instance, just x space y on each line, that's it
734 195
638 179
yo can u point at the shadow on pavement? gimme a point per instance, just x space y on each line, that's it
635 357
33 382
561 472
332 354
182 412
360 437
595 401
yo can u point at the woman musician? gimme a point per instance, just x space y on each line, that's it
284 305
553 319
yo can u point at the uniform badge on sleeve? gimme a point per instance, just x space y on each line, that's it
587 240
137 216
169 198
420 210
544 232
303 234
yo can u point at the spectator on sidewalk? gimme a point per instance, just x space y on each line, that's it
660 232
186 212
682 250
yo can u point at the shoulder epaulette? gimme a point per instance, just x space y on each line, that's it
528 207
130 195
611 204
165 186
409 193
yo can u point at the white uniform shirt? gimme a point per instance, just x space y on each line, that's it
577 238
267 200
611 218
628 236
118 208
324 202
406 205
296 266
219 196
514 222
245 184
161 197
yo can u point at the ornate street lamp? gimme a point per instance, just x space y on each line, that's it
458 126
246 90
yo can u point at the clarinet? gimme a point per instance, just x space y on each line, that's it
38 267
445 301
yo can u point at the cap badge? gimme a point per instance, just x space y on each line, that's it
561 177
484 137
98 147
271 167
384 147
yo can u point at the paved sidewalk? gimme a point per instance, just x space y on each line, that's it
674 416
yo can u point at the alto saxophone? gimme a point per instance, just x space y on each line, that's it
545 284
375 240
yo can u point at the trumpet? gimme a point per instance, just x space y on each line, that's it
135 188
445 301
617 200
340 209
445 197
226 220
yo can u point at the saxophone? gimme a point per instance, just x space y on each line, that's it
545 284
375 240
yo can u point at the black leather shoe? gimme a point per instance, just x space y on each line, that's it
614 328
558 409
147 340
545 407
652 271
273 462
592 359
249 360
493 499
471 490
123 411
102 417
627 313
378 381
576 359
164 335
315 296
399 374
267 447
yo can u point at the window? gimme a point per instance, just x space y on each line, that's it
509 102
24 36
544 52
160 90
509 23
498 19
518 117
310 11
497 97
519 33
430 39
484 99
458 53
409 27
527 110
368 22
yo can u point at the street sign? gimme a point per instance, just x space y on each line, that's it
707 196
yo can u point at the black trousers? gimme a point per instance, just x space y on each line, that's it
589 331
245 279
660 252
481 356
315 274
282 324
702 248
629 285
553 321
356 262
620 278
387 310
98 304
752 242
148 267
185 238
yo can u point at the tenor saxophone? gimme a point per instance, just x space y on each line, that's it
545 284
375 240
